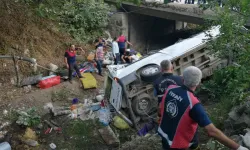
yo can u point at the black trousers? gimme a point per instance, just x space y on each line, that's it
117 58
71 67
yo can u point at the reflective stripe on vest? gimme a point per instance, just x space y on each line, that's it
165 136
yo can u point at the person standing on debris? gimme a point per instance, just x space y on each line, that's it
115 50
181 114
122 44
99 57
167 78
70 61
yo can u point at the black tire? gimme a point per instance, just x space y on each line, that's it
150 77
142 104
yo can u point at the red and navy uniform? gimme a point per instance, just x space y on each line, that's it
162 83
71 56
181 113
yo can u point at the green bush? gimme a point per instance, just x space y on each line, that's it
231 82
28 118
83 19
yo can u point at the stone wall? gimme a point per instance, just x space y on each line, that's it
118 24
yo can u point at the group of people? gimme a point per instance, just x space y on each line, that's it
118 49
120 53
181 112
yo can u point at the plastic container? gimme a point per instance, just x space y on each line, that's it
104 116
5 146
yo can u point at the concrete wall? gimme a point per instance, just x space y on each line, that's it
145 30
118 23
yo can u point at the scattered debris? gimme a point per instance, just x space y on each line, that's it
2 134
109 136
104 116
5 124
49 124
120 123
99 97
31 80
246 138
58 112
5 112
31 142
237 139
91 56
88 81
30 134
52 146
5 146
40 126
27 88
54 123
146 128
53 67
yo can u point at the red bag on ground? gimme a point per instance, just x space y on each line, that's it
47 83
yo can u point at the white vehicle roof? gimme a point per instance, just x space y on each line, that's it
169 53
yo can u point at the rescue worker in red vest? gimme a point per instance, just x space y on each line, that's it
70 60
181 114
167 78
122 41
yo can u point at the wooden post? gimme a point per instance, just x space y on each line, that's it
16 69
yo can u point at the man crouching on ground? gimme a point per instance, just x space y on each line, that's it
181 114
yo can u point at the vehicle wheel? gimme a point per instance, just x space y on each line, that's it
150 73
141 104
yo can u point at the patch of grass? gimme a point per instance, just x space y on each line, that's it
219 113
82 135
60 95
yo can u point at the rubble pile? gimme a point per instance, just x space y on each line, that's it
238 123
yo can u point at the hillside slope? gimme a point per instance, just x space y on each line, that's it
24 33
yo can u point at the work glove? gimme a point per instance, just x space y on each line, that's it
242 148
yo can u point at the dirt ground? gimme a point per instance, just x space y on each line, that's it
76 134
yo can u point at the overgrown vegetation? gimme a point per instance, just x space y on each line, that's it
83 19
28 118
229 86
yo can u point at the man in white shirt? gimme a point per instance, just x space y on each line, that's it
115 50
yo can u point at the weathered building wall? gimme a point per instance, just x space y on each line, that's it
118 23
141 30
145 30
